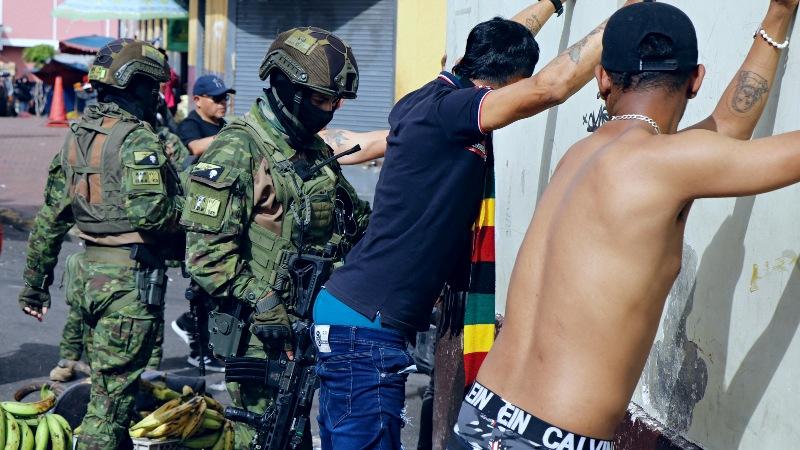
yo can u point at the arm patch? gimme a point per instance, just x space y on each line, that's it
208 196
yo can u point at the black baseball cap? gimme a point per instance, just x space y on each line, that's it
211 85
629 26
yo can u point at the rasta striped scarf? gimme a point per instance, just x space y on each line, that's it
468 298
479 312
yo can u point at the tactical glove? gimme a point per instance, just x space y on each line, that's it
34 298
271 323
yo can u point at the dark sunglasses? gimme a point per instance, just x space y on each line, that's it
218 98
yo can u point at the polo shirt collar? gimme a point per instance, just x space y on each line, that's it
455 80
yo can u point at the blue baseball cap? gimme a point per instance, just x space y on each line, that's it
211 85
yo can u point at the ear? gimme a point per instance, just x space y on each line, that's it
604 83
696 81
196 98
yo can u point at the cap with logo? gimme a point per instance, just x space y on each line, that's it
211 85
629 26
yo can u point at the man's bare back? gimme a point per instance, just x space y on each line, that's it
589 285
604 246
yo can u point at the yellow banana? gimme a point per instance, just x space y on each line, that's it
203 441
229 435
42 437
77 431
62 422
158 390
13 433
138 433
57 438
214 405
31 409
2 428
27 436
195 420
187 391
152 421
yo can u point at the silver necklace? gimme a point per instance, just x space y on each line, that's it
641 117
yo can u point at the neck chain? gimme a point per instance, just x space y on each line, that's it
641 117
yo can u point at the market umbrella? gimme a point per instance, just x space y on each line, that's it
120 9
84 45
71 68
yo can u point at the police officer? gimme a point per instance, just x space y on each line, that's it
254 199
111 179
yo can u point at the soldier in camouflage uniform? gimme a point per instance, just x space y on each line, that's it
113 180
252 200
71 347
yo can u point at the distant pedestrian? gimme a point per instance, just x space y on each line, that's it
22 92
210 97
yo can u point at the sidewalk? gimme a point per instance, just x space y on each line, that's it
27 146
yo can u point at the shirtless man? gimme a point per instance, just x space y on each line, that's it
604 246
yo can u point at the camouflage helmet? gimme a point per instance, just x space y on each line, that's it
118 61
313 58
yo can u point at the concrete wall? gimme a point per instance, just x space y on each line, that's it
725 365
420 43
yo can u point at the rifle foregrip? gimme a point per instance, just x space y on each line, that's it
242 416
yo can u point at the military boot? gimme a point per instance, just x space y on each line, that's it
63 371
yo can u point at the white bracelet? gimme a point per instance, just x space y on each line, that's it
763 33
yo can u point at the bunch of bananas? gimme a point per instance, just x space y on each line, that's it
19 419
196 420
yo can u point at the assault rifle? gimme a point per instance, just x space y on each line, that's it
285 424
197 305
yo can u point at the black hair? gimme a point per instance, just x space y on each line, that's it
498 50
657 47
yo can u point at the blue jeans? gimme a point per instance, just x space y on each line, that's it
362 386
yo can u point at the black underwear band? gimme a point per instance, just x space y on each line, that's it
518 421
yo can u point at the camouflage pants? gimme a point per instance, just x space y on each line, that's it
119 336
71 346
253 397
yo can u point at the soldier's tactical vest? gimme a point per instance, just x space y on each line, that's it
92 162
308 208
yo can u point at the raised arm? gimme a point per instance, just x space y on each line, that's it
535 16
743 102
553 85
373 144
701 163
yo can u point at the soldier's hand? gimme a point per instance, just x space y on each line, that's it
271 323
34 302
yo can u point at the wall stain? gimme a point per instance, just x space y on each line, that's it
781 265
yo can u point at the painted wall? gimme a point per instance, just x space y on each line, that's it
420 43
724 369
23 28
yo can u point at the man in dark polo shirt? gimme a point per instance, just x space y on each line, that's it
199 128
426 201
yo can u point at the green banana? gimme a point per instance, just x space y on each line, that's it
62 422
2 428
32 422
27 436
220 444
13 433
31 409
57 438
42 437
214 405
204 441
213 414
211 424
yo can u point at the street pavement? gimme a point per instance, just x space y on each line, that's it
29 349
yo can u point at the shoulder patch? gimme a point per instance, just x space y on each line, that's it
145 158
210 172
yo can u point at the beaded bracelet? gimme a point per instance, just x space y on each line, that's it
763 33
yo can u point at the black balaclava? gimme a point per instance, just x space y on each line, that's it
292 105
140 98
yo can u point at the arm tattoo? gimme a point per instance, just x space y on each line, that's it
576 50
750 89
334 138
534 24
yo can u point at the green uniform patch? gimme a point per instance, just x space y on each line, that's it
147 158
97 73
146 177
302 41
207 206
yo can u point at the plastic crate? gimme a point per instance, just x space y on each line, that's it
150 444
